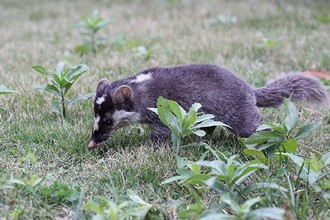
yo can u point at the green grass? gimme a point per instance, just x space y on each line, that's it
40 32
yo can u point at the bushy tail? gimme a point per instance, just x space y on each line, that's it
298 86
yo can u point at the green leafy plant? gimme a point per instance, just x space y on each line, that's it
59 192
54 194
225 175
244 210
59 83
89 27
309 191
280 137
183 123
135 208
144 52
310 170
28 185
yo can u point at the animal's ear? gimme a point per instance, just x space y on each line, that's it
100 89
123 96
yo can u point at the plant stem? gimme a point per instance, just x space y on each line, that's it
62 102
93 42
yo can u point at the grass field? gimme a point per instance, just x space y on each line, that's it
48 157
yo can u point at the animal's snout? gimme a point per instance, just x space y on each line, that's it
92 144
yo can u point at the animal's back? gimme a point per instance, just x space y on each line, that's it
220 92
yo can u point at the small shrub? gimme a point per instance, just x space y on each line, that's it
135 208
279 137
182 123
226 176
59 83
309 192
34 188
89 27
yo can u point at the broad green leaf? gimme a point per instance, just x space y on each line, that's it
175 127
189 119
261 137
276 127
299 161
67 88
199 133
176 109
292 116
268 213
307 130
59 69
164 112
289 146
5 90
231 200
231 169
176 140
263 127
217 165
175 178
240 176
197 179
195 168
195 107
41 69
80 97
75 72
57 81
203 117
263 185
54 90
209 123
255 153
249 203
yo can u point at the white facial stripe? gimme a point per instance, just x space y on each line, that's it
142 78
100 100
96 122
122 118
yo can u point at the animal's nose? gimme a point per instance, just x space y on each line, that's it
92 144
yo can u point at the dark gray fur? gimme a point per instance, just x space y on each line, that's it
221 93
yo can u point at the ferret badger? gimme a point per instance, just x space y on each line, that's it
221 93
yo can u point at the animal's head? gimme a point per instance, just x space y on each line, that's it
113 108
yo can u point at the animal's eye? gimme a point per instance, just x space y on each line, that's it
108 122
